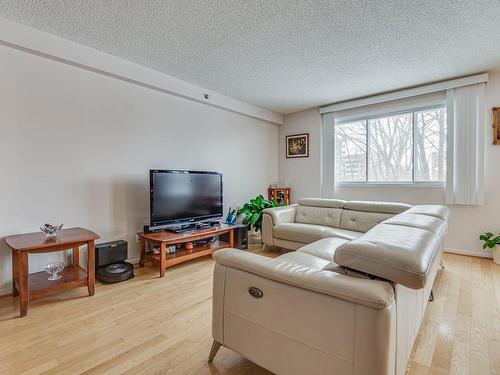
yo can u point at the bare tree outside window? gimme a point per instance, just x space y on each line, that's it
350 151
404 147
430 145
390 143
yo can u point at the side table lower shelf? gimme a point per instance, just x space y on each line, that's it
71 277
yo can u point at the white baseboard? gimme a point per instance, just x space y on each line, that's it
479 254
5 291
134 261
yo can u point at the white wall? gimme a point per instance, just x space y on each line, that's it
76 147
302 174
466 222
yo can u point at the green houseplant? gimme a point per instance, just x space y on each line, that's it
253 211
491 241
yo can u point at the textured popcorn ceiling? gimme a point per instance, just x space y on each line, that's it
283 55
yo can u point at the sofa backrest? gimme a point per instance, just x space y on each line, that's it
361 216
319 211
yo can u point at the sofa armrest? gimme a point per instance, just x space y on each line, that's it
283 214
275 216
371 293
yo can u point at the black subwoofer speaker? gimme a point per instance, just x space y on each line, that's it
240 237
110 263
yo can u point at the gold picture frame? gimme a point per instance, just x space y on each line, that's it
496 125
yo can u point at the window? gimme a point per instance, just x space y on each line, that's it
407 147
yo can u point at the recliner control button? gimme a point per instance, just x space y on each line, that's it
255 292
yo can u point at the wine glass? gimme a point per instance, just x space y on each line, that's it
54 269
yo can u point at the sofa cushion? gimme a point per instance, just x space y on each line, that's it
324 248
397 253
318 215
426 222
361 221
314 262
304 260
286 244
441 212
375 206
307 233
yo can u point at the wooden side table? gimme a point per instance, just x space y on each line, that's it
31 286
164 239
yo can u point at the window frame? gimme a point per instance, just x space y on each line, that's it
377 114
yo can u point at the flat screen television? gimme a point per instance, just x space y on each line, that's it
184 196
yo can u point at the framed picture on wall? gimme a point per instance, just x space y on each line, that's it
297 145
496 125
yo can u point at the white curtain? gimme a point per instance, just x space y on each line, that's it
327 155
465 156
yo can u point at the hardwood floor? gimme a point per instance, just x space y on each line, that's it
461 330
162 326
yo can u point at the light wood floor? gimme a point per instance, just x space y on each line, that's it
461 330
162 326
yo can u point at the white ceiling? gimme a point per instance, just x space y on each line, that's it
283 55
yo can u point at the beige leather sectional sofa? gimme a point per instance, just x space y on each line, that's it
349 300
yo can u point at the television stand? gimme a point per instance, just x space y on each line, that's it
166 238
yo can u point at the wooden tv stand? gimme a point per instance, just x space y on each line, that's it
164 239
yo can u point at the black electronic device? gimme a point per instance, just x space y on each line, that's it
180 198
240 236
110 262
203 225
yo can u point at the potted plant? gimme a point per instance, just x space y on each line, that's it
491 241
253 211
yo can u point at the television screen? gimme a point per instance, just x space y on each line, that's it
177 196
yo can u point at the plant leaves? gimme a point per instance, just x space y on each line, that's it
255 217
489 242
253 211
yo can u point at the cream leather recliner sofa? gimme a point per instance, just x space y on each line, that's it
292 227
350 300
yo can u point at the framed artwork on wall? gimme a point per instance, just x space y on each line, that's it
297 145
496 125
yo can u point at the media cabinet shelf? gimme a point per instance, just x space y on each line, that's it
182 255
164 239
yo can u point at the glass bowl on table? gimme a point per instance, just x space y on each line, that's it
54 269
